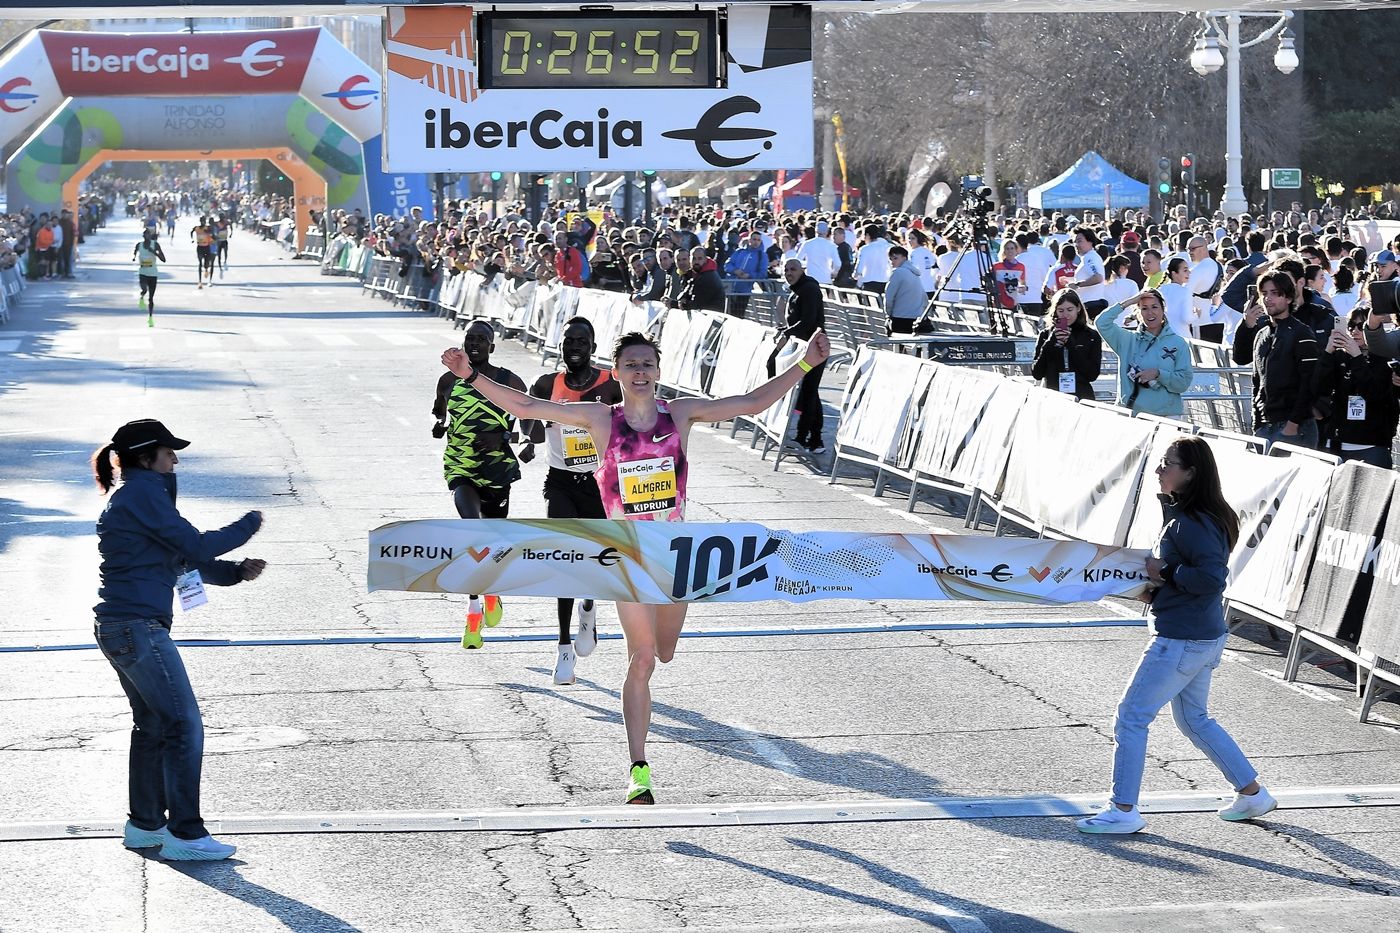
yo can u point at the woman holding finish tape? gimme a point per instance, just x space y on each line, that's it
148 551
1187 623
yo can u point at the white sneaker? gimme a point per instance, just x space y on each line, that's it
564 665
1112 820
134 837
203 849
587 638
1249 806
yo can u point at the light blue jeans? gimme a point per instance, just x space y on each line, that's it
1175 671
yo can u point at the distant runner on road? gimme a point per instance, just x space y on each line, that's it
148 255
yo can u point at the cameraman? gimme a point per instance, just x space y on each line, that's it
1365 393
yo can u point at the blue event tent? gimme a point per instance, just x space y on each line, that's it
1082 186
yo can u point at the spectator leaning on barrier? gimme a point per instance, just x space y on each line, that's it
1154 362
1364 396
1283 352
680 281
705 290
905 298
1068 353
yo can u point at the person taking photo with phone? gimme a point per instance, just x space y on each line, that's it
1068 353
1365 393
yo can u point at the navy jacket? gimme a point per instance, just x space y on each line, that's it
145 544
1190 604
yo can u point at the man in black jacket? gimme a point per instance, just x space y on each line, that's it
1283 351
705 289
806 314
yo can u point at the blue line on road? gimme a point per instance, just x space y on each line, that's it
700 633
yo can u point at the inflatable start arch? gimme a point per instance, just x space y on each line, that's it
298 93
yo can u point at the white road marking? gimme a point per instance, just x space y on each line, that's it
335 340
767 749
400 340
270 340
137 342
884 809
375 398
202 341
402 420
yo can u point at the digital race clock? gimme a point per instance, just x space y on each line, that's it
588 49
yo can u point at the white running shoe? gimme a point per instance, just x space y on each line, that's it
1249 806
1112 820
587 638
203 849
564 665
134 837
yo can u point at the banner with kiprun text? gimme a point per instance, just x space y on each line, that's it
669 562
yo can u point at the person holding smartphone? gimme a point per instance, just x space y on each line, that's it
1068 353
1365 393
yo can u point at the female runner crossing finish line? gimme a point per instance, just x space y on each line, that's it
641 476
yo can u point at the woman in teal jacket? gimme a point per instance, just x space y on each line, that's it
1154 362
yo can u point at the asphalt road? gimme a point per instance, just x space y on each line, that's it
789 768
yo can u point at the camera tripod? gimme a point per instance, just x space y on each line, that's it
978 239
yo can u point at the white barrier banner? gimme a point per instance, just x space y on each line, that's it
957 400
669 562
1272 557
1076 469
1147 515
876 405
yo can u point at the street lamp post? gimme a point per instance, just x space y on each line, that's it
1207 59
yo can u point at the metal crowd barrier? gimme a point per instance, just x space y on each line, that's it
11 287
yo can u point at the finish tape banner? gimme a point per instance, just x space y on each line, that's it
665 562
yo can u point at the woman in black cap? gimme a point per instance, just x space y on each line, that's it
147 551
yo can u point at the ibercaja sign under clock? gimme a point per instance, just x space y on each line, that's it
470 91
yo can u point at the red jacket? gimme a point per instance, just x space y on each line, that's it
569 264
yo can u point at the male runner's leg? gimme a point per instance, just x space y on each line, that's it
474 502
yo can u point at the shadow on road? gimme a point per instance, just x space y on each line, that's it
863 771
955 909
294 914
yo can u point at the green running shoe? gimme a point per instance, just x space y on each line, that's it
471 635
639 787
494 610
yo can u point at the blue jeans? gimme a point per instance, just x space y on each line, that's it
1273 433
1375 456
1176 671
167 740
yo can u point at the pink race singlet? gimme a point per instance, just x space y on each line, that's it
642 474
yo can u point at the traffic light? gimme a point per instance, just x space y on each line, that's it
496 178
1164 177
568 179
649 172
1188 170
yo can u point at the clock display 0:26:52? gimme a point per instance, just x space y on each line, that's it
608 50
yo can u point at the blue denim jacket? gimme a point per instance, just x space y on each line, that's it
1196 551
145 544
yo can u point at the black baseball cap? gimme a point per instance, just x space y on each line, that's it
147 433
